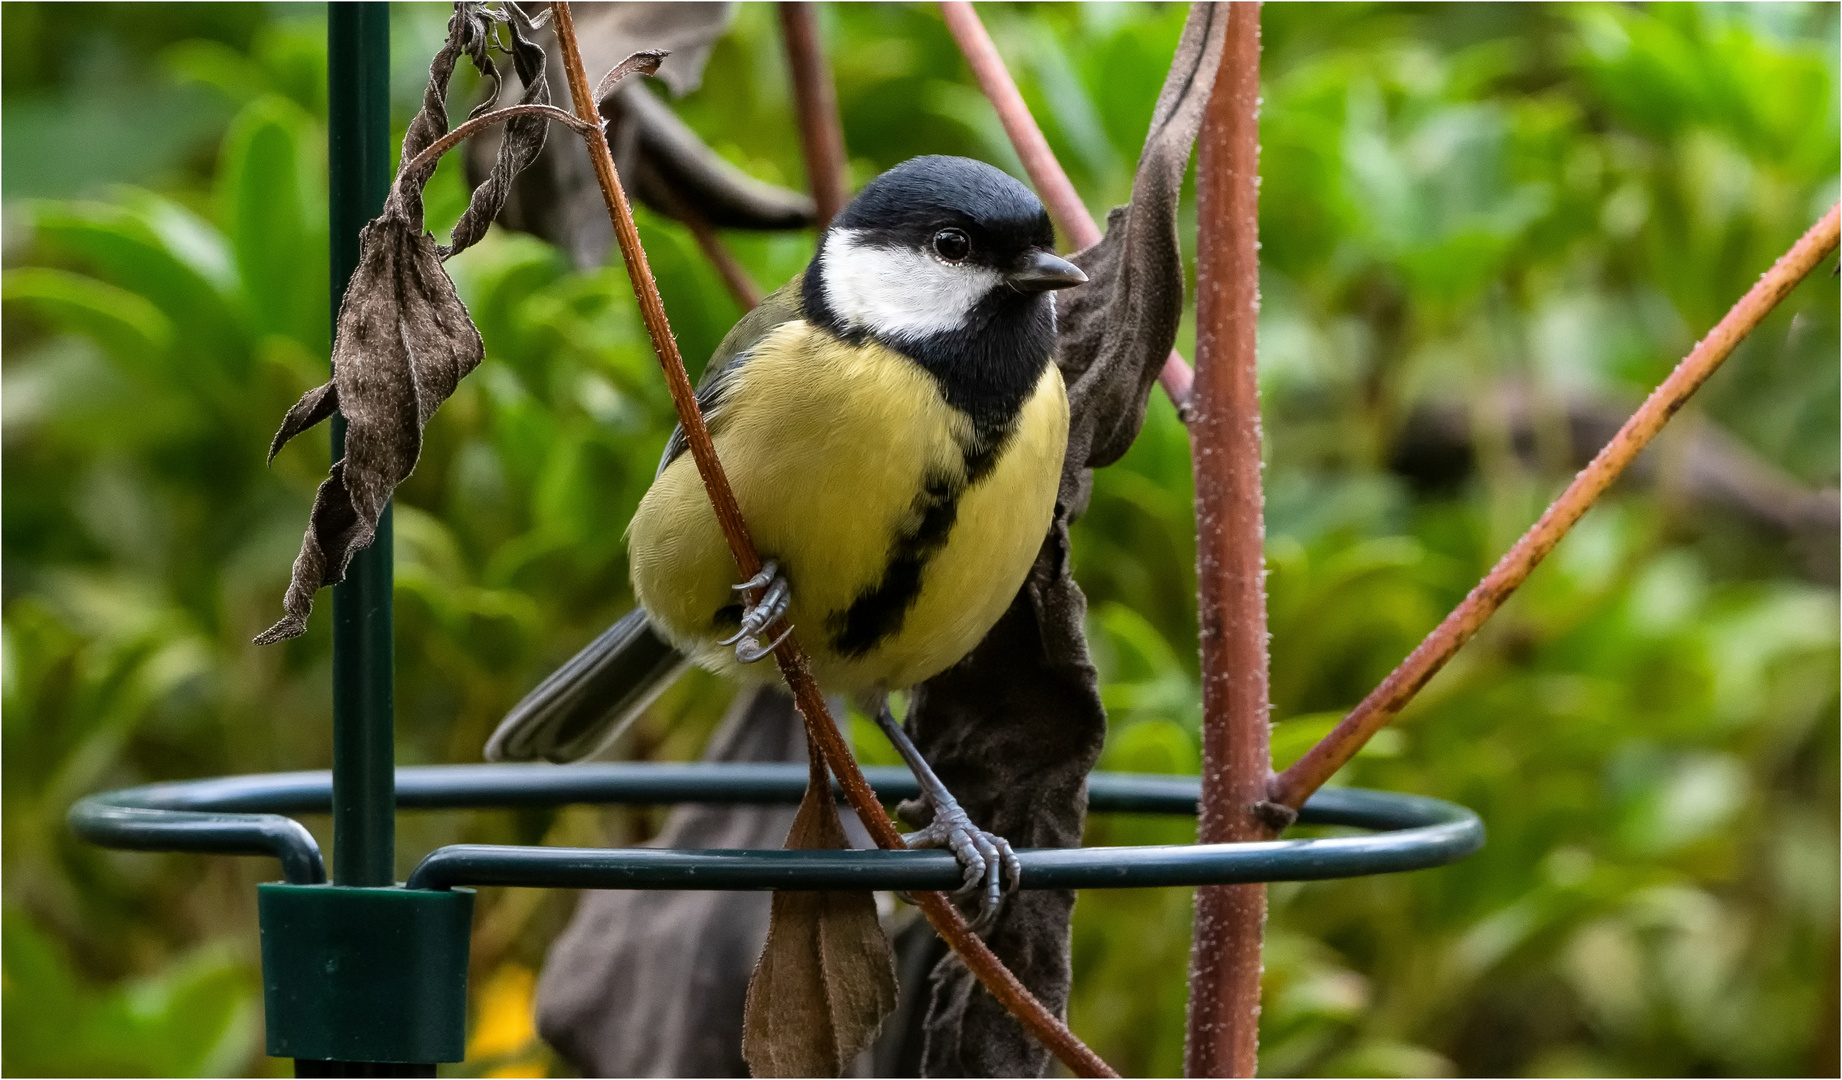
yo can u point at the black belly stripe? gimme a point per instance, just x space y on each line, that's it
878 612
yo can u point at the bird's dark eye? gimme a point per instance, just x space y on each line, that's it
952 245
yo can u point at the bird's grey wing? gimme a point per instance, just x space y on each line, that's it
585 704
778 308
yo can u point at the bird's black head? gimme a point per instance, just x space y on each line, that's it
950 261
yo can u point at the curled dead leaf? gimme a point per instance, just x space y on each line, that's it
645 62
662 162
521 140
403 339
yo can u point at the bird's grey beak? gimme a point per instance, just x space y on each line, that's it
1042 271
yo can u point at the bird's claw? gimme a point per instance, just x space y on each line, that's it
989 867
768 572
776 596
748 650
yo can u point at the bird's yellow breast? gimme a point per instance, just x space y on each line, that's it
851 471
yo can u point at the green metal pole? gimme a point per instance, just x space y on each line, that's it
364 753
360 978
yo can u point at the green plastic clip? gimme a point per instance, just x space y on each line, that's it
365 975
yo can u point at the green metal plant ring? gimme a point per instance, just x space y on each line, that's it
243 815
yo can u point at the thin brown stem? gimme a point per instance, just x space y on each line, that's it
736 278
821 134
1045 172
1295 785
1224 1007
453 138
820 727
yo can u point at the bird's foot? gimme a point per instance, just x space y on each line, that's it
776 596
990 868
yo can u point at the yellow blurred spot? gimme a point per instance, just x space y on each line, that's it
503 1023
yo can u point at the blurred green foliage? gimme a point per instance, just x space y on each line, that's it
1456 199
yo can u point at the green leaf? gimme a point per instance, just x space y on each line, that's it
163 253
196 1018
129 326
270 202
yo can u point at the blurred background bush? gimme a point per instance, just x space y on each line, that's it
1487 231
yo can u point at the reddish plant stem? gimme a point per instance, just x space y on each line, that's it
1057 191
1223 1033
815 97
820 727
1295 785
1052 184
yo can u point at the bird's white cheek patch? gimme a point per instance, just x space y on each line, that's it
899 292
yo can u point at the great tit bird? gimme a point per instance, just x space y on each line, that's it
893 425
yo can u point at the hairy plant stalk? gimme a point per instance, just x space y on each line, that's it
821 134
1224 1010
1052 184
820 727
1295 785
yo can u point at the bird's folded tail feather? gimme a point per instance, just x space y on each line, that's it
589 701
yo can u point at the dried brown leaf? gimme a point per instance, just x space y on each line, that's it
662 163
403 340
606 32
826 978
